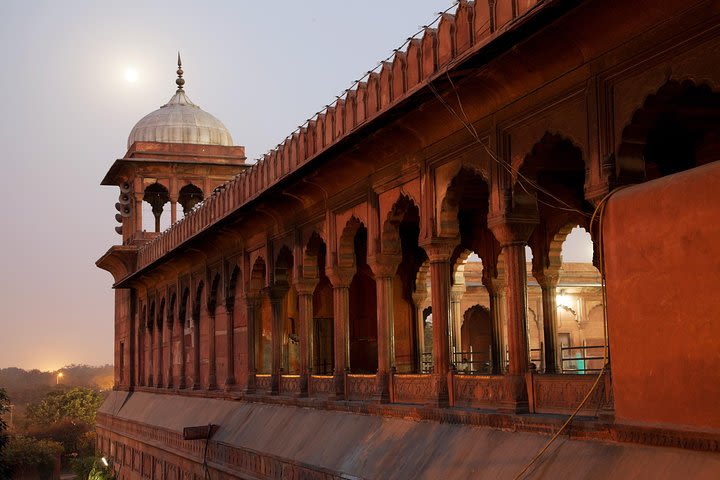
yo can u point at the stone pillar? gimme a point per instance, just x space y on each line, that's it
169 326
440 277
173 210
252 332
160 339
456 320
496 292
141 353
418 300
278 295
384 269
548 284
196 351
517 308
230 338
513 238
149 354
182 375
212 352
305 326
132 338
341 327
138 214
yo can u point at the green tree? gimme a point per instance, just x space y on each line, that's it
26 455
78 405
75 436
4 408
91 468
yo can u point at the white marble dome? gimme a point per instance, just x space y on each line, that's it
180 121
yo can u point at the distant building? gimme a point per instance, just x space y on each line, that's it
358 302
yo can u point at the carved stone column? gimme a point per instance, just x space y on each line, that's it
212 352
418 300
173 210
252 338
141 353
278 295
196 350
182 374
132 338
230 339
138 213
169 325
150 371
456 319
513 236
384 267
305 289
440 277
548 280
340 280
159 340
496 287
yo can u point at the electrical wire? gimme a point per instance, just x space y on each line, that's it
514 172
369 72
206 470
599 213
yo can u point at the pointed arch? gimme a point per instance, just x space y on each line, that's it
213 293
258 279
676 128
466 200
346 246
283 266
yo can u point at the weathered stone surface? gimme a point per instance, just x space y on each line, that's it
367 446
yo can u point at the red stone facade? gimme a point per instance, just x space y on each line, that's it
302 280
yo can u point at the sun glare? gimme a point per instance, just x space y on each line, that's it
131 75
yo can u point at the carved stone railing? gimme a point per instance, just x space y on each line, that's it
263 383
480 391
413 388
290 384
563 394
472 27
360 387
322 386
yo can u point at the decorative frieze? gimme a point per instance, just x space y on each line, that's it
360 387
413 388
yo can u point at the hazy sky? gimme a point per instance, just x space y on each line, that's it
260 67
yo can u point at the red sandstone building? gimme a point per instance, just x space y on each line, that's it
290 305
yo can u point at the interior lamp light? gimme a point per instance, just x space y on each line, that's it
562 299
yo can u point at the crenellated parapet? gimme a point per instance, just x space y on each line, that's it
473 27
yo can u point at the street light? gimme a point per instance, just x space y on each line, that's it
108 463
59 376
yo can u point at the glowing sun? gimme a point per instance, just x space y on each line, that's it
131 75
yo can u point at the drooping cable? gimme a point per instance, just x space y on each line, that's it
599 213
522 180
206 470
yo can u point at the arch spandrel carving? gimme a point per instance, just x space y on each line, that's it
675 129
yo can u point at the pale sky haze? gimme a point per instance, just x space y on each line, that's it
262 68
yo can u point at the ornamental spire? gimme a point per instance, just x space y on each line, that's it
180 81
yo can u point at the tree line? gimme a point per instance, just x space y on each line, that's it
47 422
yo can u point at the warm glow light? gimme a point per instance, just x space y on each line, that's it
60 374
131 75
563 300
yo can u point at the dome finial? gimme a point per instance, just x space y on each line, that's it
179 81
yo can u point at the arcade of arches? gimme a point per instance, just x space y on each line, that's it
391 291
406 253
